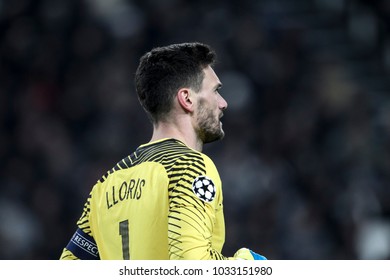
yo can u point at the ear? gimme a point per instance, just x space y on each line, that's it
184 97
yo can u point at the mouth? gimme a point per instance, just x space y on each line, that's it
220 117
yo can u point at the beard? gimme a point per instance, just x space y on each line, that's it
209 126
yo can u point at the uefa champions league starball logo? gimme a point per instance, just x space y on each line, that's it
204 188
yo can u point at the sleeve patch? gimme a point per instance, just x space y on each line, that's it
83 246
204 188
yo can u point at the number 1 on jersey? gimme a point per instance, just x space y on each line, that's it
124 232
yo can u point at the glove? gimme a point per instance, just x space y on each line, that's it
247 254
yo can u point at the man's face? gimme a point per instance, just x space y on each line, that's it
210 108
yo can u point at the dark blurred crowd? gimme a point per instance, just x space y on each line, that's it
306 158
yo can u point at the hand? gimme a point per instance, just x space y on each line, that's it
247 254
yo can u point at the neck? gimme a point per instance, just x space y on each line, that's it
184 133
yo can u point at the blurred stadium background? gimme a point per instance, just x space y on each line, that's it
306 160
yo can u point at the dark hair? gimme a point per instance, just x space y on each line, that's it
164 70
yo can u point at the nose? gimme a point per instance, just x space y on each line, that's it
222 103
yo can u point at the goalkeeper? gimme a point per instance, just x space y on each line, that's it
164 201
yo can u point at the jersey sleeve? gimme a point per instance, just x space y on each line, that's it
68 255
82 244
194 220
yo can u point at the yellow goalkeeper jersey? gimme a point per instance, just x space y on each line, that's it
162 202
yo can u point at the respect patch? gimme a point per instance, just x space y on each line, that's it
83 246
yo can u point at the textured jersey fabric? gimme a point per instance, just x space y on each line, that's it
162 202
